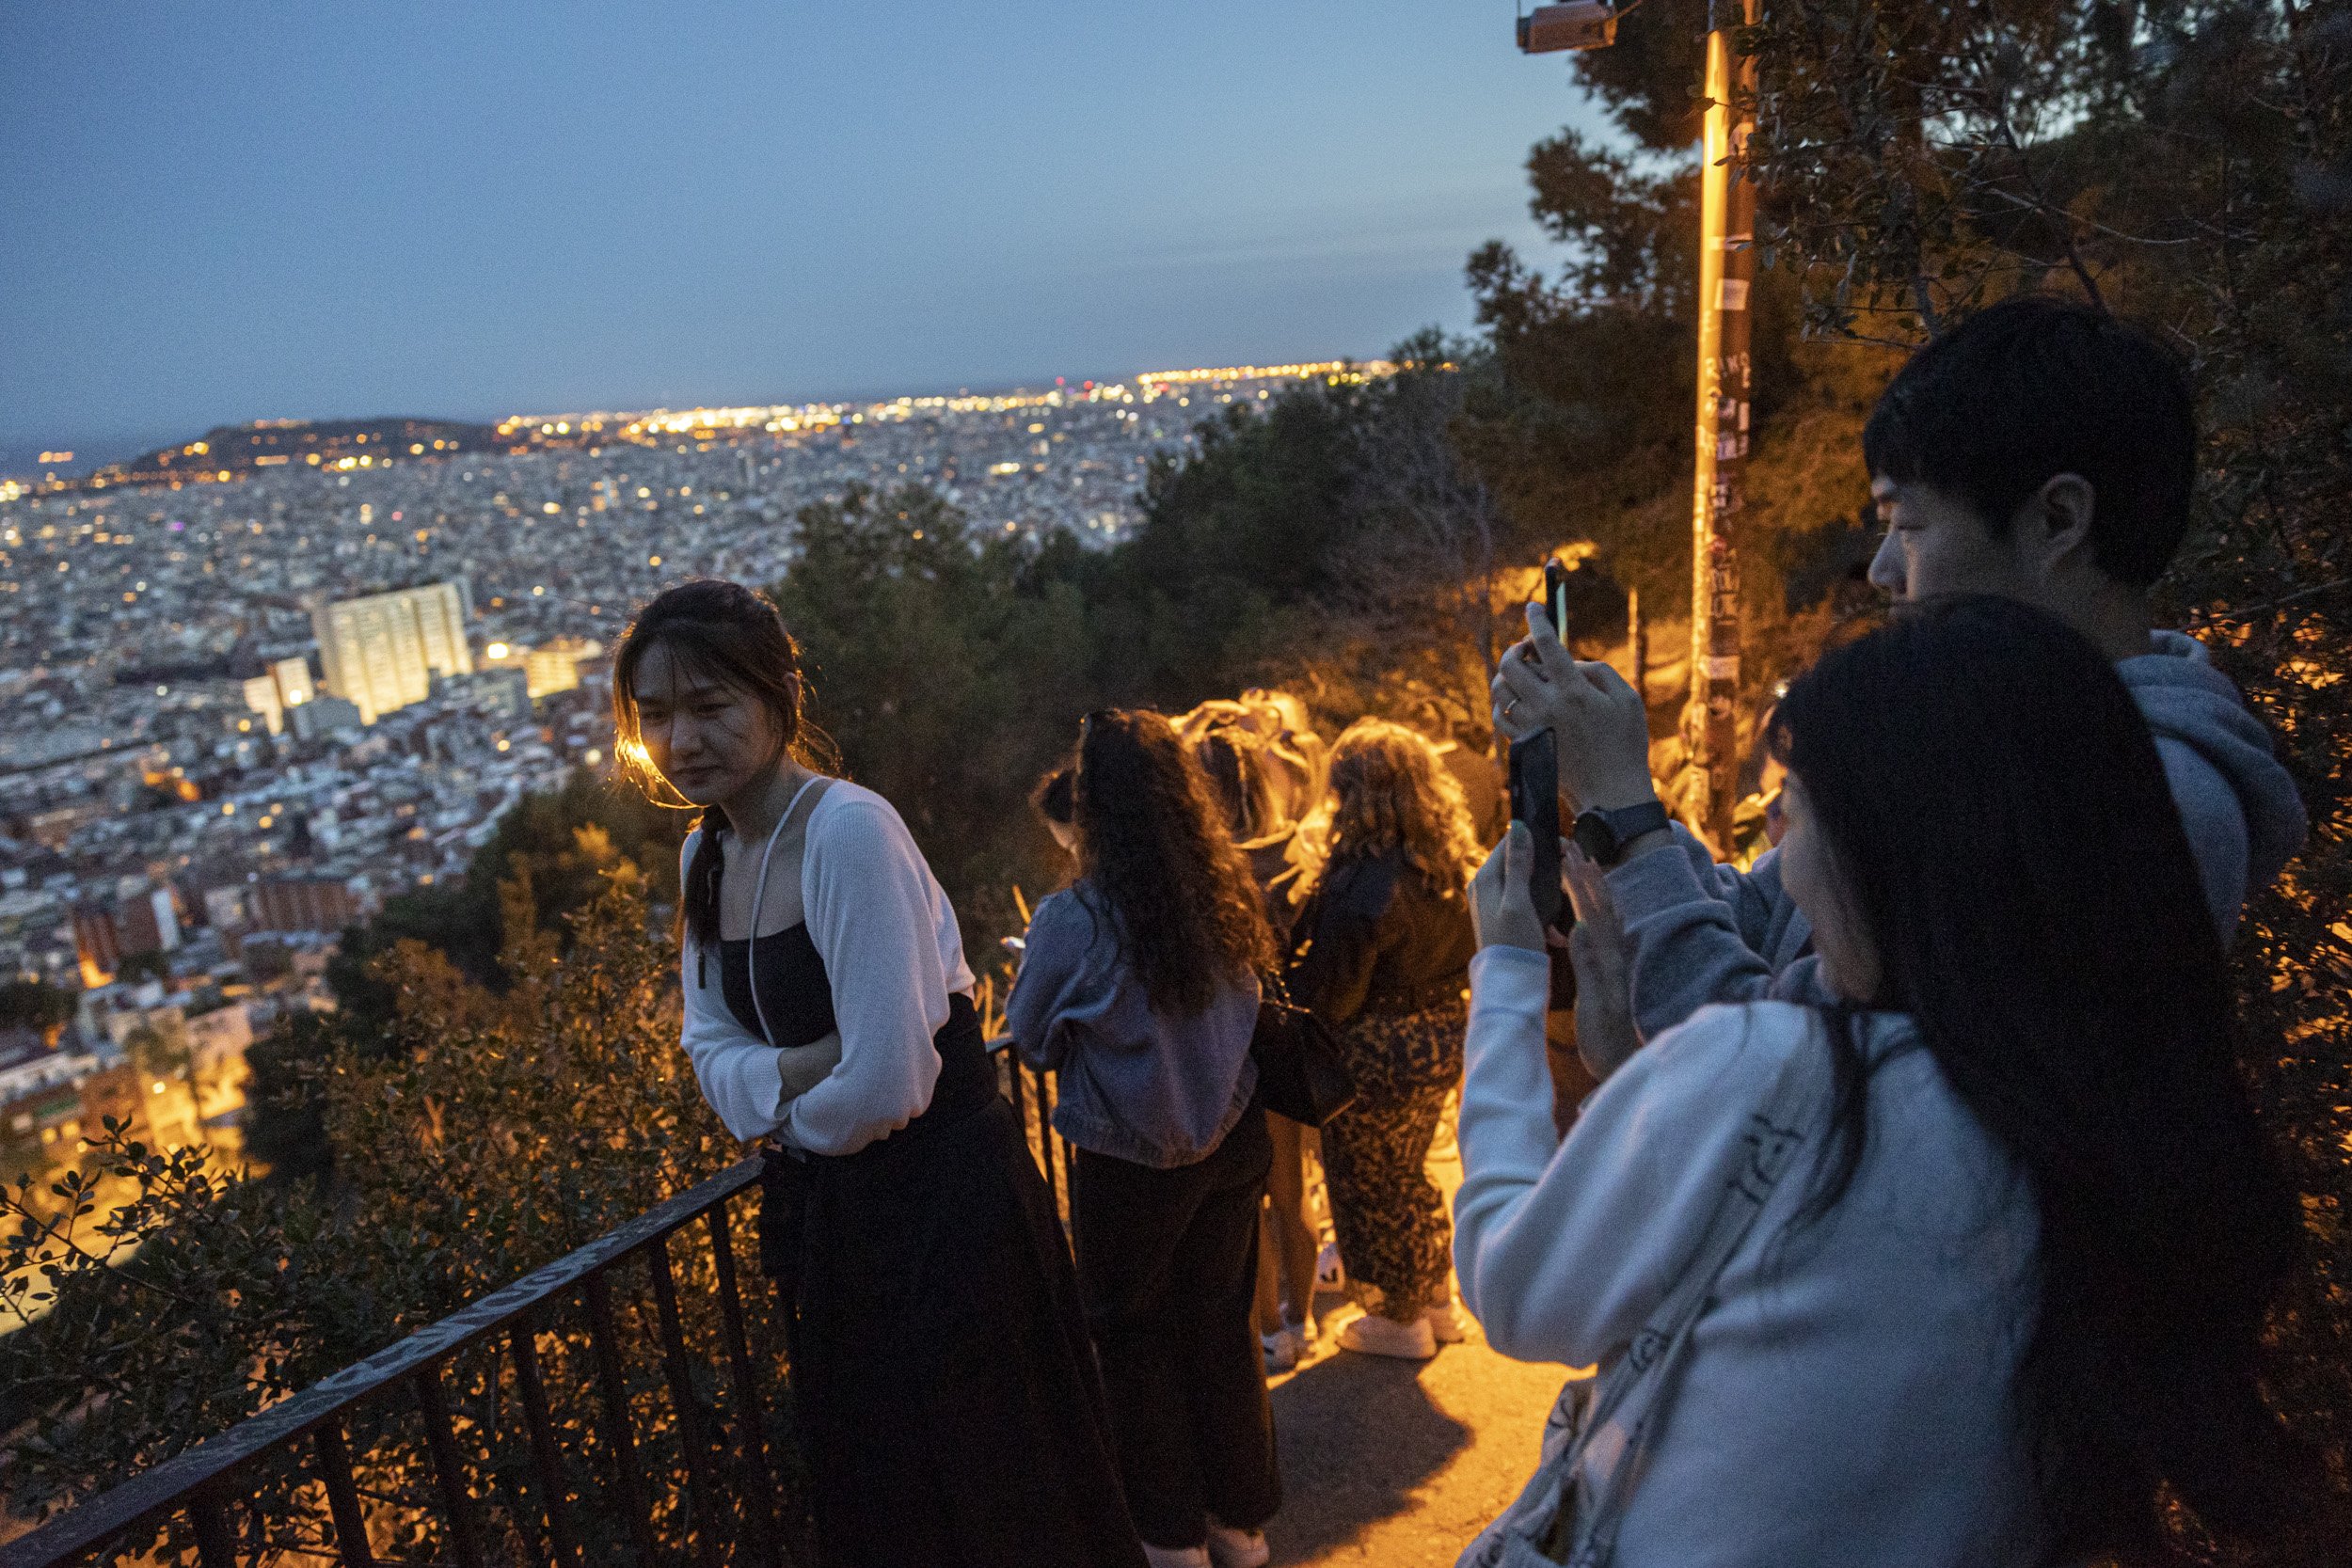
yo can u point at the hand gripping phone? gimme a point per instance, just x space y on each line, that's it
1534 777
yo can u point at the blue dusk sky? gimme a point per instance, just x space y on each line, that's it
219 213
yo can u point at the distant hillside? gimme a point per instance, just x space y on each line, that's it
231 451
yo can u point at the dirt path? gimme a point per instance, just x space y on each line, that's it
1399 1464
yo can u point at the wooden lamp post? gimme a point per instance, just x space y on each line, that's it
1726 281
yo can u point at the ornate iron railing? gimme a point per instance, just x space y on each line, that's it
206 1491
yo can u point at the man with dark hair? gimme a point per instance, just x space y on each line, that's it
2041 450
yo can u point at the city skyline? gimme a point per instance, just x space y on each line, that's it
27 474
22 459
420 210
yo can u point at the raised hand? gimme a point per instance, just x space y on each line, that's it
1502 908
1603 728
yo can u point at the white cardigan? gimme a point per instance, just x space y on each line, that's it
1846 1397
892 955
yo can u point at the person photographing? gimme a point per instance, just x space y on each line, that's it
1965 1261
2042 451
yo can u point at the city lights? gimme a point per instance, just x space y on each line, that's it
252 691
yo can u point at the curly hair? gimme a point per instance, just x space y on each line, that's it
1154 852
1388 791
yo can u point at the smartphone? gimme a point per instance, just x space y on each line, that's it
1535 800
1534 775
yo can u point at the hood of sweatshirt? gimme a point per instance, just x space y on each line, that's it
2190 703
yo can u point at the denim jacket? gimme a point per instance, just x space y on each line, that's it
1135 1083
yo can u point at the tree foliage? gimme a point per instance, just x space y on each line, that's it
949 673
488 1133
564 842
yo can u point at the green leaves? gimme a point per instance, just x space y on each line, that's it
163 1296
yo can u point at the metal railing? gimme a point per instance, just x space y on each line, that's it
203 1487
207 1491
1031 1091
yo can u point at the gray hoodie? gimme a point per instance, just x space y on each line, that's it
1135 1083
1701 932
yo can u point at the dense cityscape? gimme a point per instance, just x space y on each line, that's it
253 685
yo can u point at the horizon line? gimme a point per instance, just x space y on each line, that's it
839 399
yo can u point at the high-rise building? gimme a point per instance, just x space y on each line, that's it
261 695
149 922
293 676
381 652
98 941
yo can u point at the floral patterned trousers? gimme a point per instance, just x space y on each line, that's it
1393 1233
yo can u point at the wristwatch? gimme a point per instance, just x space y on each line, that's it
1603 835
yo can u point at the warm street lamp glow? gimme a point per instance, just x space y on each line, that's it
1726 275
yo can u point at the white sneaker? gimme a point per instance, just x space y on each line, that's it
1237 1549
1374 1335
1283 1348
1175 1557
1448 1324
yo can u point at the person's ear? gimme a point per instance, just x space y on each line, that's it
2052 529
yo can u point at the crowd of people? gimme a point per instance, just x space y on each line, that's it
1906 1200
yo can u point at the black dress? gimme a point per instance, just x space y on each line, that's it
943 1388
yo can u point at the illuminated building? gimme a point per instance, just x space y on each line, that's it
97 943
381 652
554 665
292 676
261 695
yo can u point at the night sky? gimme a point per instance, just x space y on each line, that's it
218 212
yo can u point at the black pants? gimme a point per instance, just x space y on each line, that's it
1167 1263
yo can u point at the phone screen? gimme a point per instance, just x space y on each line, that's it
1535 774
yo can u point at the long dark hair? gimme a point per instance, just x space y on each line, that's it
1154 853
726 633
1995 804
1234 761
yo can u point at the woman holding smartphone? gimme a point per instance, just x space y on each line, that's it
1962 1260
943 1388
